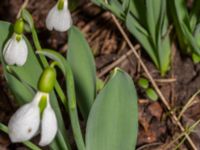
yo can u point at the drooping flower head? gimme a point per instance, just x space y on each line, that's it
59 17
36 116
15 51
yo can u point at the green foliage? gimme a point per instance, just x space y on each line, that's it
143 83
83 67
151 94
115 105
187 27
23 80
112 122
147 21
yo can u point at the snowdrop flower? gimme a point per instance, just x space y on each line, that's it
36 116
15 51
59 17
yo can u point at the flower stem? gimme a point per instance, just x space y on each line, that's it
73 108
45 64
64 65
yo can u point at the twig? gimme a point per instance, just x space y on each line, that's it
188 131
170 80
148 145
188 104
25 3
173 116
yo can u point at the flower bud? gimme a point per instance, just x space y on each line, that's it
19 26
47 80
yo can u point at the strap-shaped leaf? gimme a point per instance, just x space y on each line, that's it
113 120
82 63
191 39
194 15
137 8
142 36
28 74
182 14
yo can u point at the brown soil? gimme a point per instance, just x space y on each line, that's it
156 129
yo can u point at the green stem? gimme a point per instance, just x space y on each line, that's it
66 69
27 143
45 64
72 108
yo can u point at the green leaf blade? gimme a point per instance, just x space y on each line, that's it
113 120
83 67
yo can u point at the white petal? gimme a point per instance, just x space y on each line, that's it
49 19
59 20
22 53
9 56
15 52
49 125
24 124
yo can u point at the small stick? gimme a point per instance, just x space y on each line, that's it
25 3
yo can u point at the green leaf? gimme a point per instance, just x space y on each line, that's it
191 39
138 10
143 83
28 18
82 63
182 14
28 76
113 119
174 12
152 7
113 5
194 15
195 58
142 36
151 94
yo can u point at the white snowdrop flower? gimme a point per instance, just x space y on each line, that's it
15 51
25 123
59 17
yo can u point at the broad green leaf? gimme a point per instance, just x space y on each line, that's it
113 119
27 77
136 29
82 63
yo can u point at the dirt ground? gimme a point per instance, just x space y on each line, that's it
156 129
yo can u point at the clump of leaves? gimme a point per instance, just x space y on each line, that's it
147 21
149 92
187 26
